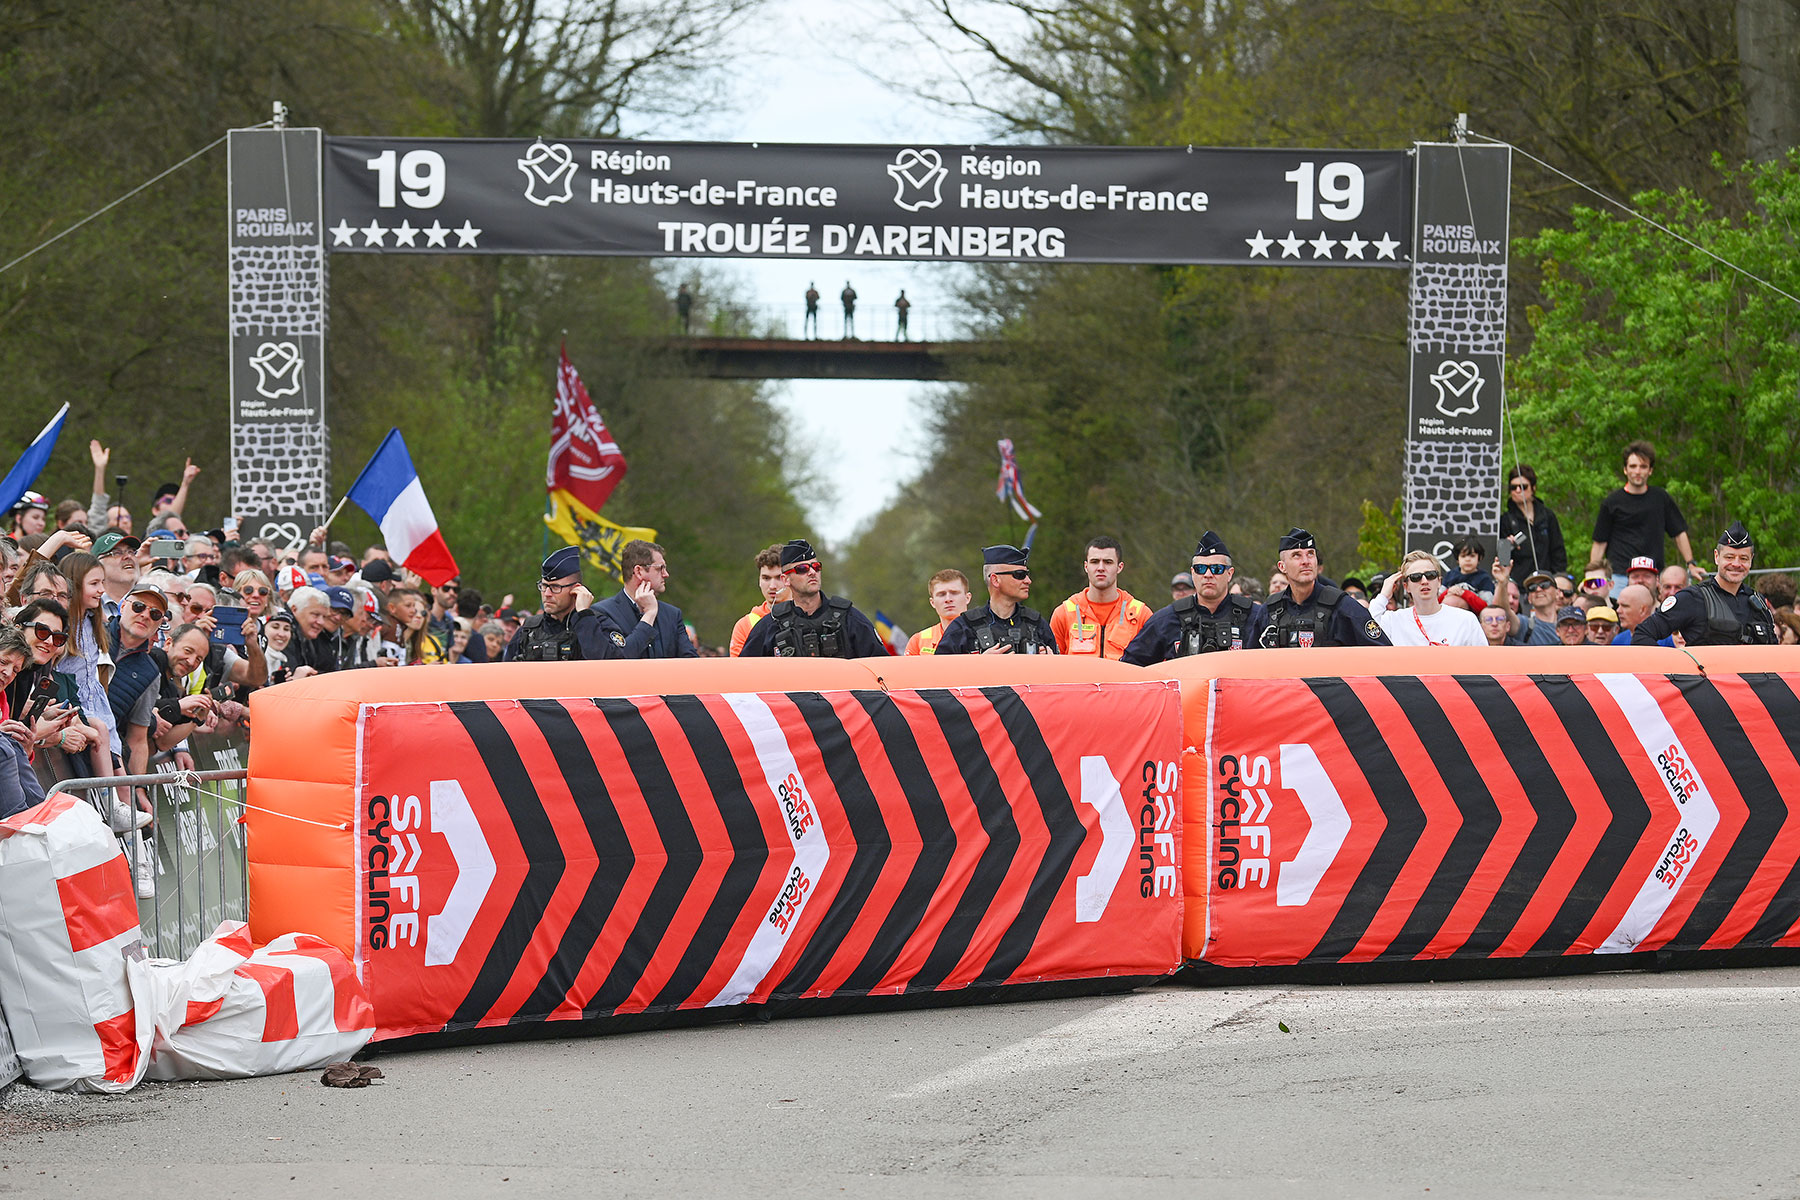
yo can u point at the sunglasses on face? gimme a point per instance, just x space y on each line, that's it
1019 574
1566 593
156 614
1211 568
55 637
1539 587
199 610
253 591
1521 487
1594 584
809 568
1422 576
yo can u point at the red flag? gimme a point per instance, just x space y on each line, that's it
584 459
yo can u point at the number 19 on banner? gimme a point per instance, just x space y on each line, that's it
420 176
1339 191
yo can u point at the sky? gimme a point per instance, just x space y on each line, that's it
862 434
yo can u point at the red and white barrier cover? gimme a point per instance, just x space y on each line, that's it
89 1012
74 986
230 1013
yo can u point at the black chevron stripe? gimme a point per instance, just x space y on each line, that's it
543 857
1778 698
1060 817
1767 812
681 846
1405 819
1550 804
575 762
937 842
749 848
867 826
996 857
1469 791
1630 814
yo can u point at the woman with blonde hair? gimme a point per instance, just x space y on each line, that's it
255 592
412 614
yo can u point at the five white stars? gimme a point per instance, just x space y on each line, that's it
1322 246
405 234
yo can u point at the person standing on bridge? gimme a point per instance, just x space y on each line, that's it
684 306
848 296
812 312
901 307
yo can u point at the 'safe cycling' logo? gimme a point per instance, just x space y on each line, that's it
548 167
918 179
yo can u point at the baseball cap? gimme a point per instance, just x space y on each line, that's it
108 542
340 597
1183 579
1537 577
161 535
339 563
378 570
1642 562
369 600
1601 612
314 579
287 579
148 589
1570 612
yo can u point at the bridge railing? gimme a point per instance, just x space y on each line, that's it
874 322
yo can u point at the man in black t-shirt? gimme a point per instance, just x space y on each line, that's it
1634 519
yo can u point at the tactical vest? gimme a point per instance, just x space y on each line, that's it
1202 631
543 644
1294 628
1022 634
795 634
1723 627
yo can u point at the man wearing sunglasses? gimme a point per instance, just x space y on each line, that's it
138 670
635 618
1208 620
568 630
811 624
1004 625
1429 621
1537 624
1309 612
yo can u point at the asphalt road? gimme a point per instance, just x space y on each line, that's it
1619 1085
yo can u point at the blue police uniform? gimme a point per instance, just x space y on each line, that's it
1189 627
980 629
1329 616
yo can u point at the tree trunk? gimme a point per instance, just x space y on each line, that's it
1768 35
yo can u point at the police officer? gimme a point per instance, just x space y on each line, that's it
810 624
561 633
1212 619
1720 610
1003 625
1309 611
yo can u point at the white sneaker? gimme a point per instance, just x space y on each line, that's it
127 817
144 869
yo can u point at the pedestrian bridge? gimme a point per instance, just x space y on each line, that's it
786 358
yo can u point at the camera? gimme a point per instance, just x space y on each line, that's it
223 692
165 548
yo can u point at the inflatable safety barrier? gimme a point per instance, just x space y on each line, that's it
1351 806
515 843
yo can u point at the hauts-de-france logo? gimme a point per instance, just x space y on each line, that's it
918 179
1458 387
549 173
277 367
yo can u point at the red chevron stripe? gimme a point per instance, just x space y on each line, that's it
903 834
1591 817
1516 819
1784 851
1442 819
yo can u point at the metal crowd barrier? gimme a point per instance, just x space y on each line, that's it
195 849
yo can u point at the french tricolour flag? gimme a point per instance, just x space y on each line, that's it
389 491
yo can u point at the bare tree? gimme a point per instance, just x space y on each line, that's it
1768 36
579 67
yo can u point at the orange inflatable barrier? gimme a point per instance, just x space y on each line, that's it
498 845
1352 805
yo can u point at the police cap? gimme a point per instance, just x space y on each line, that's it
562 563
1295 539
1211 543
1003 556
797 551
1736 537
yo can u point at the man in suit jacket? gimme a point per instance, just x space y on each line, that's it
639 624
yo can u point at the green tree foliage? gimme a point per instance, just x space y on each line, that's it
126 317
1249 400
1642 336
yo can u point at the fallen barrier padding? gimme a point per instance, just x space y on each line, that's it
1354 806
502 845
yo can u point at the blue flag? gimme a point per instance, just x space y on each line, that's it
24 473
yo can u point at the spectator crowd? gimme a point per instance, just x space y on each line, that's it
127 637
